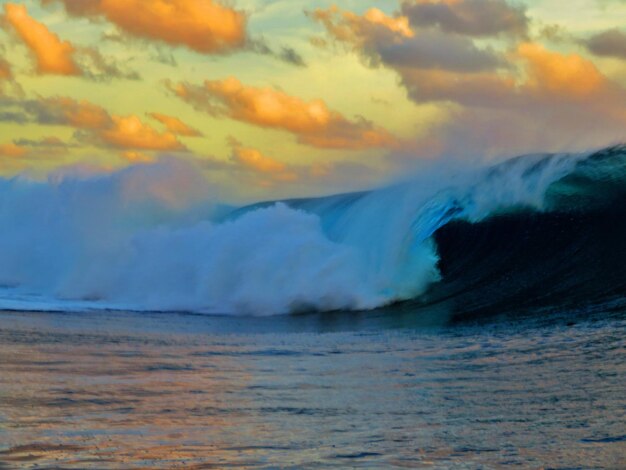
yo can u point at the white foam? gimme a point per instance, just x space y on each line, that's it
144 239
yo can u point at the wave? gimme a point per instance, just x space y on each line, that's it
151 238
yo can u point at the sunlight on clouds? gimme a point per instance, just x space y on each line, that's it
311 121
12 150
325 98
53 55
201 25
175 125
566 75
130 132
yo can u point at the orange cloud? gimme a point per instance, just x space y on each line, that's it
175 125
348 27
201 25
12 151
81 114
253 160
102 128
5 70
129 132
311 121
53 55
384 40
12 157
558 74
136 157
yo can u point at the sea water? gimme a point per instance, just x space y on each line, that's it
350 390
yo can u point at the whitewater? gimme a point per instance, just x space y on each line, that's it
153 238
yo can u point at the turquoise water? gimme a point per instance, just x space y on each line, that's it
386 389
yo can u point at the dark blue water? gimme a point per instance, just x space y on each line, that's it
387 389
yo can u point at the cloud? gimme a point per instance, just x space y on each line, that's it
53 55
381 39
558 79
129 132
291 56
267 176
311 121
20 154
254 161
468 17
164 57
95 125
175 125
100 68
611 43
525 100
135 157
528 96
435 50
560 102
67 111
12 150
8 84
555 75
549 78
45 143
12 157
56 57
5 70
475 89
286 54
204 26
357 31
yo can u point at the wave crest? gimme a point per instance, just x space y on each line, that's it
151 238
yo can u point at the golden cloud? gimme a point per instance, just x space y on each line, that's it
80 114
102 128
128 132
53 55
5 70
311 121
12 151
136 157
348 27
255 161
384 40
175 125
558 74
201 25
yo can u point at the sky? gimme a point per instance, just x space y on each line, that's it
277 98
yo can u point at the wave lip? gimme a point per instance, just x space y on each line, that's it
520 231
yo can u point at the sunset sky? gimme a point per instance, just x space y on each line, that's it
272 98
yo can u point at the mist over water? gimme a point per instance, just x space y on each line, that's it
153 238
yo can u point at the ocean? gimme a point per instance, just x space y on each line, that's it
467 320
349 390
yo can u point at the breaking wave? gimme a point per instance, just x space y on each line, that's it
150 239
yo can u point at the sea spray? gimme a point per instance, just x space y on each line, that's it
149 238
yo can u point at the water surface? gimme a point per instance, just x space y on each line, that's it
130 390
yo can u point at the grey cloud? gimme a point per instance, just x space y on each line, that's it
15 117
433 49
291 56
469 17
611 43
98 67
45 143
286 54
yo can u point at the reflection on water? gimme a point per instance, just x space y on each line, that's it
142 391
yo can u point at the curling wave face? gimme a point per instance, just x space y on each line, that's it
149 238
